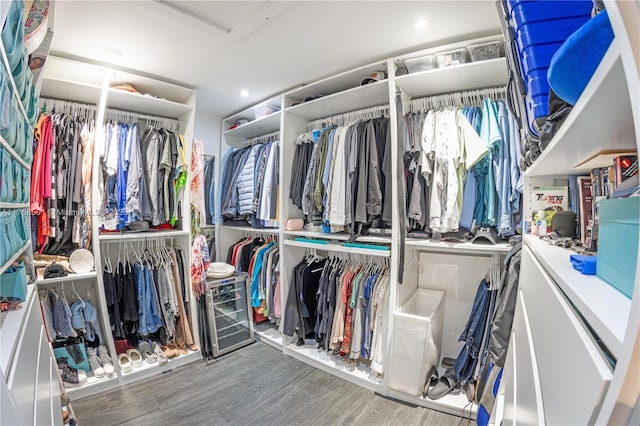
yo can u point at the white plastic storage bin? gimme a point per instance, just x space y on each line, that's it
417 337
423 63
451 58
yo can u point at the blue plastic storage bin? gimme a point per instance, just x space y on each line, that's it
533 11
618 242
538 57
537 106
544 32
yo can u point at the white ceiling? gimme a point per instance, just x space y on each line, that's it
265 47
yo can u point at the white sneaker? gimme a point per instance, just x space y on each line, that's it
94 362
106 360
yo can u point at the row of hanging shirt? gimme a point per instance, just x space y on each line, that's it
260 259
144 176
148 295
462 169
341 304
60 192
340 176
249 185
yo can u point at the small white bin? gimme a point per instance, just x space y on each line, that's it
417 337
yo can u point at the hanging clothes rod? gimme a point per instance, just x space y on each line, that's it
341 119
269 137
48 105
131 117
456 99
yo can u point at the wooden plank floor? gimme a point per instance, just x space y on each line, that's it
255 385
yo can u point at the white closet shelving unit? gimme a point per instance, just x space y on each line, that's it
75 81
580 373
342 94
239 137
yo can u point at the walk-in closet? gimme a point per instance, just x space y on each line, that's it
221 213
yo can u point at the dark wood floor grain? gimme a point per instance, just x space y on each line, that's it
255 385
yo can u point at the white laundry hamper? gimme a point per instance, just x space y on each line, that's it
416 341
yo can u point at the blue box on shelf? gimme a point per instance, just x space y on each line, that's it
618 242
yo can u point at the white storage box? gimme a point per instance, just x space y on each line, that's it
451 58
423 63
417 337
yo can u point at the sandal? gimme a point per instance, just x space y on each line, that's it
446 384
125 363
135 357
432 379
170 351
447 362
147 353
160 355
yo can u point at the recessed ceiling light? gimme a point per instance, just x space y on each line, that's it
419 24
244 93
113 53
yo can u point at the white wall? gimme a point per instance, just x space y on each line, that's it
207 129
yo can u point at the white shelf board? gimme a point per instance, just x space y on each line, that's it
157 89
334 84
15 256
338 236
339 248
471 75
70 277
458 405
605 101
356 98
10 325
456 247
149 370
14 154
269 334
259 127
603 307
5 205
69 70
144 104
265 231
142 235
360 375
70 91
93 386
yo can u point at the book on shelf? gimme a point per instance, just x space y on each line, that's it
626 167
586 206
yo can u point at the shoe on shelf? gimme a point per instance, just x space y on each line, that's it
135 356
105 359
171 350
64 399
162 357
70 376
95 363
125 363
145 350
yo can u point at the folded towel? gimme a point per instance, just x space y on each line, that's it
584 264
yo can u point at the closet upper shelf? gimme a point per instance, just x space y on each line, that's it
70 91
333 85
69 79
146 104
261 126
604 308
605 102
471 75
355 98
